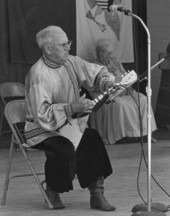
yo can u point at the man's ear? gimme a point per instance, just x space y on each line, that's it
47 49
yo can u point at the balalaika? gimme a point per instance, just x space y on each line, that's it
128 79
71 129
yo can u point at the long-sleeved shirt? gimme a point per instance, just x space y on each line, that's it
49 90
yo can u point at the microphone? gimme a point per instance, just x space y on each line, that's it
124 10
119 8
113 7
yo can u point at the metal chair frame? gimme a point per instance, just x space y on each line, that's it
15 113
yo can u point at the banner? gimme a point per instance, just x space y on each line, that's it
94 22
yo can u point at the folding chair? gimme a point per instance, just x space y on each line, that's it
15 114
9 91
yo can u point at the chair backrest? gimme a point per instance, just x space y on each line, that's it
16 116
11 91
15 112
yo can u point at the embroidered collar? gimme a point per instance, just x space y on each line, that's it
50 63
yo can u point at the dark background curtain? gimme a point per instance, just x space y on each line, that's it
162 111
14 60
140 40
27 17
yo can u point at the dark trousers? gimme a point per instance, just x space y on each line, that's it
89 161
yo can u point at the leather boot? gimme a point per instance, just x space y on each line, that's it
97 199
54 197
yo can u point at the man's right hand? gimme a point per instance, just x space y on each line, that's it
82 105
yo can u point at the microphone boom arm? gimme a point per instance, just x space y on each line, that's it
143 76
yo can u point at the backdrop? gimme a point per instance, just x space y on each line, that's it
95 22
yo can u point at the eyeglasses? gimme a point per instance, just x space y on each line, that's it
66 45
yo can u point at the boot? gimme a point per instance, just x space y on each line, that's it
97 199
54 197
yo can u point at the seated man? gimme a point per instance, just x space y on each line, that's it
119 121
52 98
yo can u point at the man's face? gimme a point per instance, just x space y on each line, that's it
59 48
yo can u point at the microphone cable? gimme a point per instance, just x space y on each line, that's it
142 156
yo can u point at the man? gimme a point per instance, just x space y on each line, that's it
52 99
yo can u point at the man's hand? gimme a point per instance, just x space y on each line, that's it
109 85
82 105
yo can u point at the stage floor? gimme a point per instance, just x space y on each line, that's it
25 199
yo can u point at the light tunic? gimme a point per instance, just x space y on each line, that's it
120 118
49 90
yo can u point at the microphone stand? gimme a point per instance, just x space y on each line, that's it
143 211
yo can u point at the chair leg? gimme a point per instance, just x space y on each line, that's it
3 201
50 205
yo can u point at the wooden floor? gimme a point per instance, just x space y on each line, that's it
25 199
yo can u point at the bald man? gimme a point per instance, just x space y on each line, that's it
52 99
